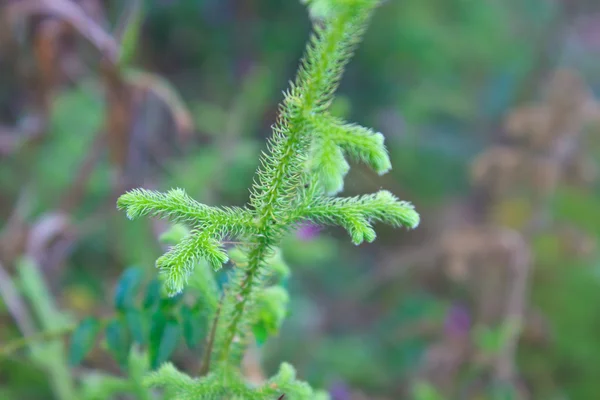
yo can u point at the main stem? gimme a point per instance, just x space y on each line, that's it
268 233
318 77
255 259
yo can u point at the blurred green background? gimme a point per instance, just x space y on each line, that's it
490 118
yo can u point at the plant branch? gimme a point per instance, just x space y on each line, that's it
26 341
14 303
205 368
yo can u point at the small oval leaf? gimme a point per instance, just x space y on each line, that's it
152 294
126 288
157 326
83 340
194 326
136 324
164 336
119 341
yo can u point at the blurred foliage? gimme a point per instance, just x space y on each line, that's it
436 77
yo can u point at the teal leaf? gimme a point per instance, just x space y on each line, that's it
157 326
152 297
136 324
164 336
83 339
193 326
118 341
126 288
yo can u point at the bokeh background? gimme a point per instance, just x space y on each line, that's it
490 115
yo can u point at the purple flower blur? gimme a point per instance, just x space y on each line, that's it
458 321
308 231
339 391
588 30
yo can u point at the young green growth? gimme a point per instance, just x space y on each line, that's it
304 166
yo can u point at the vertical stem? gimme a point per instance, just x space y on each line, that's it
14 303
54 360
321 68
205 368
239 297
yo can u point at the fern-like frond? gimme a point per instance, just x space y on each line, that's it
279 180
175 383
304 162
356 214
359 143
174 205
334 139
330 48
285 383
215 386
178 207
177 264
211 224
328 164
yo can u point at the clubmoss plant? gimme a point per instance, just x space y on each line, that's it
303 168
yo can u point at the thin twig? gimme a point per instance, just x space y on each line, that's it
44 336
22 342
205 367
69 12
14 303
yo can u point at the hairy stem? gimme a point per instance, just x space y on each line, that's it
239 297
282 171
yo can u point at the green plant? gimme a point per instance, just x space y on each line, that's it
304 167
